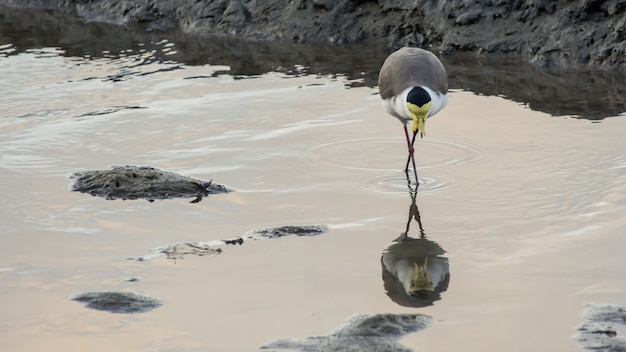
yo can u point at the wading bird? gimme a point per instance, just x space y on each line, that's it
413 86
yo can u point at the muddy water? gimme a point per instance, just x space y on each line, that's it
528 206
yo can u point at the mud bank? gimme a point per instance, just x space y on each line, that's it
563 34
590 94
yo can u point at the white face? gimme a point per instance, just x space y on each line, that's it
439 101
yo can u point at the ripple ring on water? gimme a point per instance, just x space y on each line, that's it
354 153
397 183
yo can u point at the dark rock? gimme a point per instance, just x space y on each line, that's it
236 13
118 302
134 182
399 4
469 17
324 4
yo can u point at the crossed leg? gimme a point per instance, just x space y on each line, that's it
411 158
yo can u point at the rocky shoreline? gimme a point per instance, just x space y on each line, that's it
583 34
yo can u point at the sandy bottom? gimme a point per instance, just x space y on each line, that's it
529 208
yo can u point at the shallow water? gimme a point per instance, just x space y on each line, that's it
529 206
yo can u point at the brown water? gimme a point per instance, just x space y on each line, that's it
528 206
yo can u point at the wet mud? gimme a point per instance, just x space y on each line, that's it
143 182
599 331
282 231
589 94
118 302
179 250
563 33
379 332
130 302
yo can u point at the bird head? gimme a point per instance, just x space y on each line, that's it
418 102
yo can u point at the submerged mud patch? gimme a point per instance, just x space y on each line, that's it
180 249
599 329
118 302
145 182
282 231
379 332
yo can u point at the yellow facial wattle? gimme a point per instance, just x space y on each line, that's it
419 114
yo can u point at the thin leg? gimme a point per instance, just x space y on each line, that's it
408 160
411 157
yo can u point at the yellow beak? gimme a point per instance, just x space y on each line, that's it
419 124
419 114
421 278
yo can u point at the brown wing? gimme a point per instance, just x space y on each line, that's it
410 67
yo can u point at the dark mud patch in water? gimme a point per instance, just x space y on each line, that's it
379 332
282 231
143 182
180 249
118 302
599 331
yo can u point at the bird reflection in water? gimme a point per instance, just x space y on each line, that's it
414 269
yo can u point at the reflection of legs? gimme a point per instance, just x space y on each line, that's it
411 157
414 212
